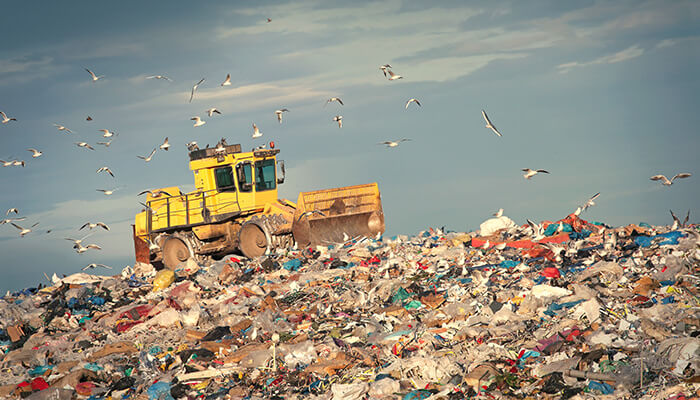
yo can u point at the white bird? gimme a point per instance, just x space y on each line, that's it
94 77
339 120
279 114
62 128
529 173
198 121
384 68
499 213
159 77
105 169
106 144
194 88
80 249
155 194
389 143
227 81
489 124
192 146
334 99
5 118
213 110
393 76
106 133
12 210
555 249
23 231
412 101
36 153
18 163
92 225
93 265
666 182
590 202
84 145
486 245
165 146
77 242
256 131
148 158
107 192
500 246
9 220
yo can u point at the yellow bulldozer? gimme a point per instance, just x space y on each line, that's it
235 207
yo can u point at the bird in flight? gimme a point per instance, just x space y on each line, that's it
80 249
194 88
159 77
94 77
18 163
7 163
590 202
165 146
12 210
213 110
9 220
269 20
93 266
412 101
148 158
339 120
227 81
62 128
5 118
393 76
93 225
666 182
278 113
198 121
89 118
36 153
334 99
106 144
107 192
384 68
105 169
499 213
312 212
489 124
155 194
84 145
23 231
389 143
256 131
106 133
529 173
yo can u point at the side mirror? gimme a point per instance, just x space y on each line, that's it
281 173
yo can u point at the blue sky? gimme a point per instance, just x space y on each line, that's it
601 94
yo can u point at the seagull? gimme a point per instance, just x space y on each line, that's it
227 81
269 20
105 144
666 182
389 143
194 88
106 133
486 244
335 99
159 77
412 101
89 118
279 114
105 169
529 173
80 249
12 210
489 124
165 146
148 158
393 76
499 213
590 202
155 194
23 231
256 131
18 163
9 220
62 128
85 145
308 213
384 68
192 146
94 77
107 192
77 242
36 152
92 225
198 121
339 120
213 110
5 119
93 265
676 221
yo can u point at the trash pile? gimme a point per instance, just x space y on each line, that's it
567 309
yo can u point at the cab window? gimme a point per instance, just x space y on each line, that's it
244 171
224 179
265 175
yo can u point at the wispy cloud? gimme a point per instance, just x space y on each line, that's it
623 55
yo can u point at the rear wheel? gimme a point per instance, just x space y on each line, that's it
252 241
175 252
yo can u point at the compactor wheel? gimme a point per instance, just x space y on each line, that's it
175 251
252 241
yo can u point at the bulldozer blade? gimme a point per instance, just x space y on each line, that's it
141 250
329 216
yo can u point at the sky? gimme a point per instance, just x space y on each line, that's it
602 95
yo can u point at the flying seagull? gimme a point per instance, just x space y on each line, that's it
198 121
105 144
84 145
489 124
269 20
590 202
192 146
105 169
393 76
256 131
107 192
62 128
9 220
384 68
36 153
23 231
7 163
148 158
93 265
389 143
93 225
279 114
94 77
194 88
213 110
155 194
412 101
227 81
666 182
18 163
5 119
12 210
106 133
529 173
165 146
89 118
80 249
339 120
335 99
159 77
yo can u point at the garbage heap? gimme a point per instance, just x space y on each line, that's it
563 309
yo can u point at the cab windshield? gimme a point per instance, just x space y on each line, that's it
265 175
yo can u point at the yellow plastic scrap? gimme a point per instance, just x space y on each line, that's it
163 279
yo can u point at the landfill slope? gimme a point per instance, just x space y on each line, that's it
563 309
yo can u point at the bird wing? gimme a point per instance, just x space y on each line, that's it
595 196
543 171
216 111
144 192
91 73
340 101
89 147
660 178
4 116
93 246
405 140
152 153
681 175
675 219
486 117
17 226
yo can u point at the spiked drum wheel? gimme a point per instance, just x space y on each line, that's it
175 251
253 242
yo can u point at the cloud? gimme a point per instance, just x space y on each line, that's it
623 55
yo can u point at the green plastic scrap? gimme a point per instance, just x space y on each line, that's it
413 304
400 295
